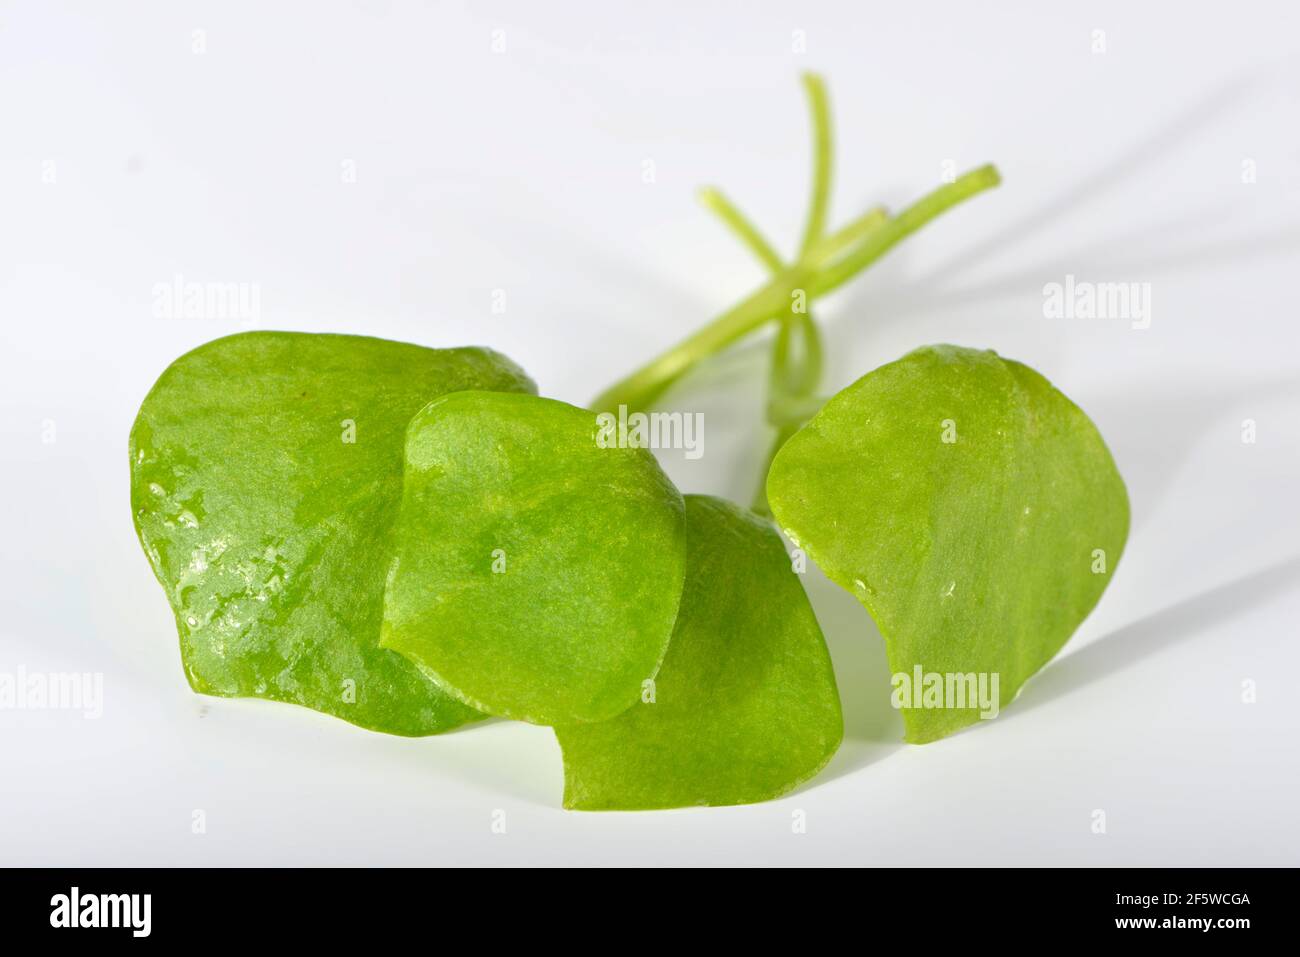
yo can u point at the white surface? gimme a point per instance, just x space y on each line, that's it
522 171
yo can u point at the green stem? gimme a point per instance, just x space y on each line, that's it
638 390
819 107
881 240
830 247
783 434
808 371
789 383
799 378
741 225
803 375
793 409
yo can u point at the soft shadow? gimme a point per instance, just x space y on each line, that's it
1159 146
1110 260
1124 648
1152 431
872 728
1161 247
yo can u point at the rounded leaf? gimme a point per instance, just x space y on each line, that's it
745 706
266 471
971 507
537 572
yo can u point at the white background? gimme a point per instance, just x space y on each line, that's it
522 171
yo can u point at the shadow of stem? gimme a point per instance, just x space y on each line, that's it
1132 643
872 728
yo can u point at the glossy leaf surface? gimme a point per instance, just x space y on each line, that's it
537 573
266 472
973 509
745 706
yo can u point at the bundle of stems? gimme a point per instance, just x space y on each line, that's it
824 262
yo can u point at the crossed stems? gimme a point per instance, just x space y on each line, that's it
824 263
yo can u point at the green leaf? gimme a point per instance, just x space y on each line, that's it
537 573
266 470
745 706
970 506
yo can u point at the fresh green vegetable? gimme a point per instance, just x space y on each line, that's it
537 573
266 471
408 538
823 263
822 269
745 706
969 505
797 349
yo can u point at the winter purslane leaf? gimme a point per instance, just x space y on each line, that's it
745 706
537 573
266 471
410 539
971 507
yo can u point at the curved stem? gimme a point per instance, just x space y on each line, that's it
741 225
829 248
794 409
881 240
807 372
783 434
638 390
819 107
809 367
772 299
